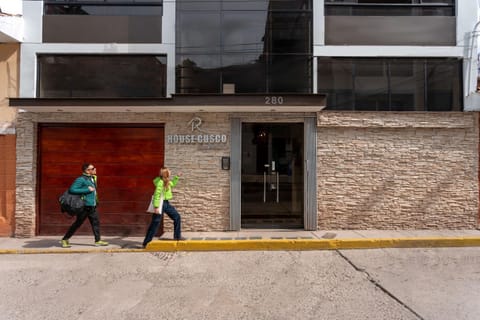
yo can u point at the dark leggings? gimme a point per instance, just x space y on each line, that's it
92 215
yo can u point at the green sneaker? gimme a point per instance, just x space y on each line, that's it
65 244
101 243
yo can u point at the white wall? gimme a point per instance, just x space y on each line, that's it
11 6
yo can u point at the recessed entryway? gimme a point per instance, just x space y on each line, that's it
272 175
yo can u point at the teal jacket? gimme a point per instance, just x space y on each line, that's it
159 190
80 186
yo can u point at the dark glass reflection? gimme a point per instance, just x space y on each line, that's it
272 175
442 89
104 7
102 76
389 8
254 46
391 84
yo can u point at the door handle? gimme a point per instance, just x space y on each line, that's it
264 187
265 182
278 187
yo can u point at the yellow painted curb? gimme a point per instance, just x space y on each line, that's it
67 250
310 244
273 244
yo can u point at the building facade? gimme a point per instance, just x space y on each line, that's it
281 114
10 37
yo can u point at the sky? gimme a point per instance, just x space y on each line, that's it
11 6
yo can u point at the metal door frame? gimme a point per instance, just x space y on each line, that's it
309 172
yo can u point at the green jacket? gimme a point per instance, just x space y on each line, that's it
96 192
159 189
80 186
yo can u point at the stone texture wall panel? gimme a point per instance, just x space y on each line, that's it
418 171
375 170
202 196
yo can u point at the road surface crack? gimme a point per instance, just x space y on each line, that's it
379 286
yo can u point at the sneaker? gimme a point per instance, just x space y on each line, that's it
65 244
101 243
180 239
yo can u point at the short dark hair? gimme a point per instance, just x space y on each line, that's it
85 166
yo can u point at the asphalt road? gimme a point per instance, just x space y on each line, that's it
371 284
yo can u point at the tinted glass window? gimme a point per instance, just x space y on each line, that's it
442 83
200 33
390 7
104 7
391 84
254 46
101 76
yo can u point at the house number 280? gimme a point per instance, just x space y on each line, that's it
274 100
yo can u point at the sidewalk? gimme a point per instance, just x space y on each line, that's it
253 240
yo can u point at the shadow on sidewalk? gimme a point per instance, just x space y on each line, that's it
118 242
42 243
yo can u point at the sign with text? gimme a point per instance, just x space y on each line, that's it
198 135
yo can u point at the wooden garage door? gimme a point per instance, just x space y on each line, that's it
127 159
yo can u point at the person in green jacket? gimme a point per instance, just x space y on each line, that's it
87 187
163 187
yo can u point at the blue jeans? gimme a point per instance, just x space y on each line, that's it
157 218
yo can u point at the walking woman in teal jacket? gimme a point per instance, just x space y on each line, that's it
86 186
164 186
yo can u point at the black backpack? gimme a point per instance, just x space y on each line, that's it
72 204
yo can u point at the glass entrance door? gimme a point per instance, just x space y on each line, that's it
272 175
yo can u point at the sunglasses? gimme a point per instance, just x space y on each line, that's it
91 168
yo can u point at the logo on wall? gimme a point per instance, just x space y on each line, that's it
196 123
203 138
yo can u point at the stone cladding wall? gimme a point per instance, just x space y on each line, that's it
397 170
375 170
202 196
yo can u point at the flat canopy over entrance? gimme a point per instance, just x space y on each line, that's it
180 103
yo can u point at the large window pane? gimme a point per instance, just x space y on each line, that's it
335 79
272 5
391 84
104 8
244 32
198 33
371 84
289 73
389 8
198 5
444 91
198 73
246 72
101 76
289 33
261 46
407 85
232 5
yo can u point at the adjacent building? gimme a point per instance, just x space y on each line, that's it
11 26
281 114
